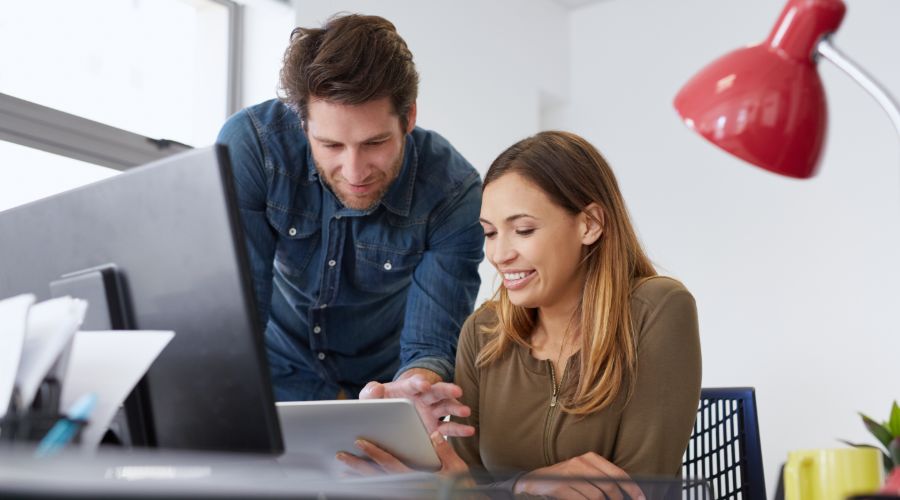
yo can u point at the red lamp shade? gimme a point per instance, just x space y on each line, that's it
765 104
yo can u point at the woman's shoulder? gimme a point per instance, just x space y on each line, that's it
653 290
485 316
479 323
660 300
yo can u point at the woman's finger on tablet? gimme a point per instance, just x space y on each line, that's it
359 465
389 463
450 460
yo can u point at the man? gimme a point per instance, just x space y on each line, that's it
362 229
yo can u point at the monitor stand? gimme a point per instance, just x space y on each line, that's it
103 287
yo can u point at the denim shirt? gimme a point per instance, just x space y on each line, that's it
350 296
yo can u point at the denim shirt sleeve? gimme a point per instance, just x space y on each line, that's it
444 284
251 181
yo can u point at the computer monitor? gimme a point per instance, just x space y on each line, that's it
171 233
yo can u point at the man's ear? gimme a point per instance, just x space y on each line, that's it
592 222
411 118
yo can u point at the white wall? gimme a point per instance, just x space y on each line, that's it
491 72
797 282
267 29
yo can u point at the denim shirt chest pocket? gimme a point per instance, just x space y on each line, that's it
298 238
383 269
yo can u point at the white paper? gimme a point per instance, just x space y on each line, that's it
109 364
13 323
51 325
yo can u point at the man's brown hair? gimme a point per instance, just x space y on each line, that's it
351 60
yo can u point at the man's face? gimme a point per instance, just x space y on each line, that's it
358 150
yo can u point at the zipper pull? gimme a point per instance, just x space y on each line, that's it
553 401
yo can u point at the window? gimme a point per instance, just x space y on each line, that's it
90 83
96 83
158 68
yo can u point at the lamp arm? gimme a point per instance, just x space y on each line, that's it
827 50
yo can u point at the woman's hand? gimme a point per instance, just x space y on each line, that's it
588 472
382 462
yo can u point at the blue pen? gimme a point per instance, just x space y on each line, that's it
64 430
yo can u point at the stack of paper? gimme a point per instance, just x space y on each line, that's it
109 364
42 341
13 317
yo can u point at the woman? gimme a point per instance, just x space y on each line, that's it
587 364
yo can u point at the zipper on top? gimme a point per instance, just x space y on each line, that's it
554 402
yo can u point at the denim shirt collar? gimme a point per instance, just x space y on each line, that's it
398 197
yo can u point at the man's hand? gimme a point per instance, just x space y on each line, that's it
592 476
432 398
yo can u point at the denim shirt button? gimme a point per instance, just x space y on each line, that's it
321 356
332 263
292 231
338 217
317 329
387 266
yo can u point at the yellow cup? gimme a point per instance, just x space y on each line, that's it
832 474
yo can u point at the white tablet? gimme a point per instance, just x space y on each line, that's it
324 428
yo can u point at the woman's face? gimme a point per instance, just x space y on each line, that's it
534 244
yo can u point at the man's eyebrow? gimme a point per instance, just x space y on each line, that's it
379 137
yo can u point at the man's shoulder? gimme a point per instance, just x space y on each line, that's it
439 163
265 119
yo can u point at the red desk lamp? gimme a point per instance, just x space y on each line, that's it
765 103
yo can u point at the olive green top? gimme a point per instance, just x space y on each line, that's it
517 429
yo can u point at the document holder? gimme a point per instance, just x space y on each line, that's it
31 424
104 287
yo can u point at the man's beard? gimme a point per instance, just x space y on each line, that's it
391 176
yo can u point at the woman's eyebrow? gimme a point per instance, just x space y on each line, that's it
511 218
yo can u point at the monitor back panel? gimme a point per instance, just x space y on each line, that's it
171 228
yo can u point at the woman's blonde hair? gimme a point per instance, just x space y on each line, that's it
573 174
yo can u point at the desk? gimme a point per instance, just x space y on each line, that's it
157 474
164 474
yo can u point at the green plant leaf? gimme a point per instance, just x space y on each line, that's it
894 448
879 431
894 421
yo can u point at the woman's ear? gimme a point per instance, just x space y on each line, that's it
592 221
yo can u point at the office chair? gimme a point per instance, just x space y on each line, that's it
724 448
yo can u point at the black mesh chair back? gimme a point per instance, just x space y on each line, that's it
724 448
